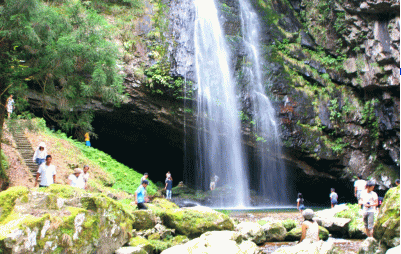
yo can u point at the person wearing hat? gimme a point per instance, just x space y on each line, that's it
76 180
310 228
140 195
370 201
40 154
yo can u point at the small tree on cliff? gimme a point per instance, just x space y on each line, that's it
61 53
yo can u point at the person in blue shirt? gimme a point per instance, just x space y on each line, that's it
140 195
333 197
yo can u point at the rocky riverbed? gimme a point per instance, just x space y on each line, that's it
348 246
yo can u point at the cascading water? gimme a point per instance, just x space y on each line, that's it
271 168
219 136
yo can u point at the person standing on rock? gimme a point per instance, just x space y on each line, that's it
300 203
47 173
333 197
40 154
76 180
310 228
359 186
370 201
169 187
140 195
168 175
10 105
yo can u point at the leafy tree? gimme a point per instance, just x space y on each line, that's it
63 53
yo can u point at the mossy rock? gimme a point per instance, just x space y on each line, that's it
7 200
193 223
289 224
88 224
144 219
387 225
274 232
295 234
164 203
142 243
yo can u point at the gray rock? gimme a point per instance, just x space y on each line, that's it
251 231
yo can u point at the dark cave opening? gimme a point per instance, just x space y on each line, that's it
146 145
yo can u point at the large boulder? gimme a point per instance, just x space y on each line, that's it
307 247
251 231
195 221
274 232
145 219
336 226
295 234
387 225
229 242
61 219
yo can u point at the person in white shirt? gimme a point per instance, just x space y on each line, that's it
47 173
359 186
40 154
85 175
76 180
144 177
370 201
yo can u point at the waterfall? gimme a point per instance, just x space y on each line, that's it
271 169
219 148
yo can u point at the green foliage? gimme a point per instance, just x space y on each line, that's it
369 118
66 52
126 179
339 145
4 166
335 114
160 82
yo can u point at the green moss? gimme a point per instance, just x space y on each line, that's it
295 234
289 224
262 222
62 191
144 219
193 223
7 200
143 243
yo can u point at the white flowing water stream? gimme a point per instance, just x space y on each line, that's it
219 148
271 168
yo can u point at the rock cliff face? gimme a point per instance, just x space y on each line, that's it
331 70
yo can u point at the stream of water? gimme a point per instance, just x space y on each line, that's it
272 172
219 150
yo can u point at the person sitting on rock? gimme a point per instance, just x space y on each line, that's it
310 228
369 200
40 154
333 197
76 180
48 173
85 175
140 195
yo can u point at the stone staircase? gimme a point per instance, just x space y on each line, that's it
25 149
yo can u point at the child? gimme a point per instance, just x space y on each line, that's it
40 154
300 202
333 197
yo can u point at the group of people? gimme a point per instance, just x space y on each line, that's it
367 199
47 171
140 193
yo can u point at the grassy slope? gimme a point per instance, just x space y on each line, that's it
107 175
